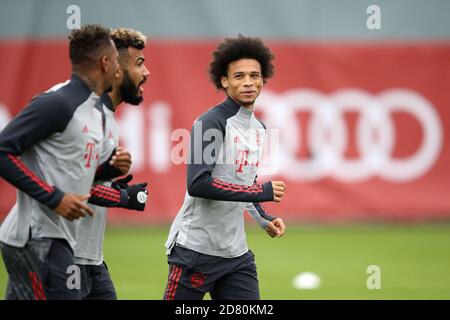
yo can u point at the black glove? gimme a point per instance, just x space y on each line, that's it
137 197
122 183
134 196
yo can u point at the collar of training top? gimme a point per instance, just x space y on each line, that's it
106 99
231 104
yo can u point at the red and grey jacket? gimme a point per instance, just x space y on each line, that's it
52 147
225 153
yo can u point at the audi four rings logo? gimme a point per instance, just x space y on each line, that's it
328 134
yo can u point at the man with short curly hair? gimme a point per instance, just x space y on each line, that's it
206 247
51 152
96 283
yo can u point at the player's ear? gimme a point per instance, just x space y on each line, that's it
104 63
224 82
118 74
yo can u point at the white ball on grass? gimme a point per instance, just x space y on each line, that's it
306 280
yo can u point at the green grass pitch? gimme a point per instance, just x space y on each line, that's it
414 261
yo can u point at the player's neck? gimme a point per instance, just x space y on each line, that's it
90 81
116 99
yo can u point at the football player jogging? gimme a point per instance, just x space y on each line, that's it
206 247
50 152
127 87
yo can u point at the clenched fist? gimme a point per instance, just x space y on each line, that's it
279 188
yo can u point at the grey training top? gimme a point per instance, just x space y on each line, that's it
225 153
51 147
91 230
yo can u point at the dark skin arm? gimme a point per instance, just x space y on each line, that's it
73 206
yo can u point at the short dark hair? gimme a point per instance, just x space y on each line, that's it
86 41
233 49
125 38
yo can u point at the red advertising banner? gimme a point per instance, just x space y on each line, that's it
363 128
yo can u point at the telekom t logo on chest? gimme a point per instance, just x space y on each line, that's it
90 154
241 160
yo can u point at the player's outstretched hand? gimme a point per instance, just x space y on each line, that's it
121 160
73 206
276 228
279 187
137 197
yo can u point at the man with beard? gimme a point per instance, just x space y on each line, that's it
96 282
